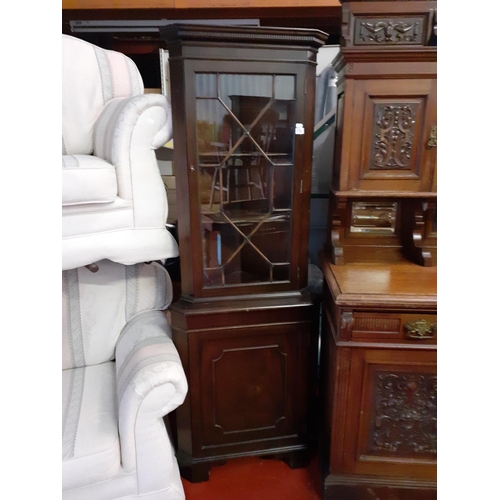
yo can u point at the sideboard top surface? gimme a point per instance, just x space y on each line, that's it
405 284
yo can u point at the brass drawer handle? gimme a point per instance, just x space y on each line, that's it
433 137
420 330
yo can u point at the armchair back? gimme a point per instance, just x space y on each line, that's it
91 77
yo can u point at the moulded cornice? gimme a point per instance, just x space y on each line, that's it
410 54
231 34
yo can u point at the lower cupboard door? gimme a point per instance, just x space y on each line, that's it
392 413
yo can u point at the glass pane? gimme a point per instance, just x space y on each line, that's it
284 87
206 85
245 140
373 217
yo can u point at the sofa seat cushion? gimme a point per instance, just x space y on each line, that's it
90 444
87 179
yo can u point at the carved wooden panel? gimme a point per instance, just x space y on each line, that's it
392 412
404 419
393 136
390 31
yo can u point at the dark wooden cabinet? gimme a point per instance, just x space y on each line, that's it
245 326
251 371
384 175
379 382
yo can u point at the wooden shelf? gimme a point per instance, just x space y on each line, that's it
319 14
383 194
194 4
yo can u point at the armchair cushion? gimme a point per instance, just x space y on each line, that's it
90 444
87 179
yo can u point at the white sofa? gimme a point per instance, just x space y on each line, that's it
114 203
120 375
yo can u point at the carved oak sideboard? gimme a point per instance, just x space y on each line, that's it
379 388
383 199
378 348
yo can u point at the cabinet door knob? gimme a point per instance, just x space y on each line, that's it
433 137
420 330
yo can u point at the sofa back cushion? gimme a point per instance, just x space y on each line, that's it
96 307
91 77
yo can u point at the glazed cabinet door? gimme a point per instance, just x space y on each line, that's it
247 125
393 135
391 413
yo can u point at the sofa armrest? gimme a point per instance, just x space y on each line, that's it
150 384
126 134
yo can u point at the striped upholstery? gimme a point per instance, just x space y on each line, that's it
110 127
90 444
96 307
121 375
145 358
114 132
108 75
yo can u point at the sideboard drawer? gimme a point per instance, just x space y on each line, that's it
404 328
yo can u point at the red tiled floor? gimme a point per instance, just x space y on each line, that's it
253 478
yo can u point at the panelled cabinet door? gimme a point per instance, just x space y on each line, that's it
394 135
249 387
392 414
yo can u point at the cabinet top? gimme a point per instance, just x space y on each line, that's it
404 285
244 35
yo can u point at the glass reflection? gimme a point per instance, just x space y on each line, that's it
245 137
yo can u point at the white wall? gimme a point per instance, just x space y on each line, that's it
326 55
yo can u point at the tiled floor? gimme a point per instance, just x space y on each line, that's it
254 478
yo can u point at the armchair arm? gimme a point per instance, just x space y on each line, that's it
150 383
126 134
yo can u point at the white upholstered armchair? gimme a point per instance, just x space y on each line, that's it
114 203
121 374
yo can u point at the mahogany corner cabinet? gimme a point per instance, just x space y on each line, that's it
245 326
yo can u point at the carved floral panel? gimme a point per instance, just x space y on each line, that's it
405 413
396 31
393 136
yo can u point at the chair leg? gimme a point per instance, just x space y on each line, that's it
212 191
249 183
261 184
